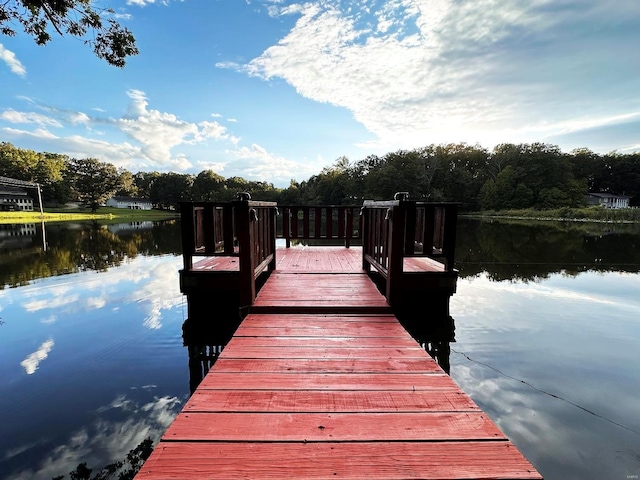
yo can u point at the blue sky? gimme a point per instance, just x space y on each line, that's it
274 90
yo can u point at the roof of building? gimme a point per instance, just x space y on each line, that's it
7 190
119 198
607 195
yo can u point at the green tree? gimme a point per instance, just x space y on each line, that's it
143 182
169 189
93 181
77 18
208 186
127 186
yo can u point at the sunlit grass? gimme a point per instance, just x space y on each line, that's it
79 214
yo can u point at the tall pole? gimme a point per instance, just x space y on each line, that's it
40 201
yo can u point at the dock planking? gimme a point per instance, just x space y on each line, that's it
317 395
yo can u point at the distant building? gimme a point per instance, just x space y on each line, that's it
608 200
130 203
14 199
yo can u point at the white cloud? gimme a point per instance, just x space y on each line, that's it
421 71
159 132
32 362
13 116
256 163
12 61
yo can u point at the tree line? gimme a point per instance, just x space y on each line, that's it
510 176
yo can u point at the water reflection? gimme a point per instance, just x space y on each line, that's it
530 251
77 247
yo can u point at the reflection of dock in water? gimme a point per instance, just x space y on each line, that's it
323 374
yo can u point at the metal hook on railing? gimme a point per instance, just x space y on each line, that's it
253 215
401 196
277 211
244 196
389 214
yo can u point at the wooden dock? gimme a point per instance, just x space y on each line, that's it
320 380
300 392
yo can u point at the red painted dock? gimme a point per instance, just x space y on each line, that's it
321 381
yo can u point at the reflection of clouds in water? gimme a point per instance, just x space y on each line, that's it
553 434
50 302
49 320
31 363
156 289
104 442
160 293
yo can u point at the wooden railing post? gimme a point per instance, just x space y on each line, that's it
396 245
450 232
187 233
244 234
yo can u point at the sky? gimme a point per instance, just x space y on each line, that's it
275 90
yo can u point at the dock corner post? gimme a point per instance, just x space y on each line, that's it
274 233
396 254
187 233
245 251
450 233
365 237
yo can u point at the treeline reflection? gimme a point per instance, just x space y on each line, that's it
529 251
27 254
503 250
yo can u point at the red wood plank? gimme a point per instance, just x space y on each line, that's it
331 329
323 352
365 461
332 427
317 341
316 321
323 401
288 365
328 381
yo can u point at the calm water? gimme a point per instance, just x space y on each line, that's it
547 328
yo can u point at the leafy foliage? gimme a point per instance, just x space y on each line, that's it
77 18
511 176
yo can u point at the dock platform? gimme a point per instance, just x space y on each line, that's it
321 381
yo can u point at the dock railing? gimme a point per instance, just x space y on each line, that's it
399 229
320 222
244 229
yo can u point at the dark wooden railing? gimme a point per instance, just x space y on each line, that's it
242 229
319 222
398 229
390 231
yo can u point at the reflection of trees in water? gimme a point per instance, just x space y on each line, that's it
80 247
529 251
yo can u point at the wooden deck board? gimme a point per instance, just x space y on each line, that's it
311 401
316 365
332 427
329 381
327 460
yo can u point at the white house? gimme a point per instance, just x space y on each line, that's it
129 202
15 199
608 200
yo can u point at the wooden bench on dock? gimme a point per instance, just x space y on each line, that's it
319 379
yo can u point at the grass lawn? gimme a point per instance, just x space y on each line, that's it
109 214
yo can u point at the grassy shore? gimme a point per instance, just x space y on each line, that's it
107 214
566 214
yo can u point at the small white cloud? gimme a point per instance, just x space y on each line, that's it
14 116
12 61
31 363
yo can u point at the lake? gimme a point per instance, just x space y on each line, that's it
92 360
